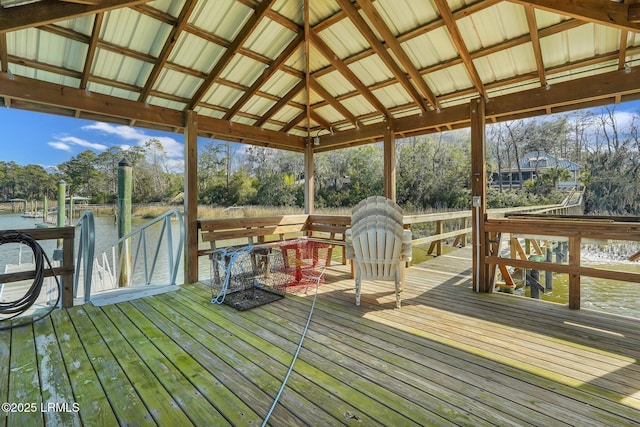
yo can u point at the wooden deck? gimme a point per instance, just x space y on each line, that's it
448 357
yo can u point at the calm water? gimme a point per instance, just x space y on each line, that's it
603 295
106 237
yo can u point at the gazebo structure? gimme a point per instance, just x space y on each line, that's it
311 76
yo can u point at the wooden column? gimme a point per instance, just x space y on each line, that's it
481 282
191 197
125 191
309 173
309 177
389 162
574 279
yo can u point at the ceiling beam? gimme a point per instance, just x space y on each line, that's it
48 11
392 42
4 57
535 43
337 105
249 134
266 75
169 44
280 103
111 108
461 47
604 12
346 72
377 46
232 49
594 90
91 50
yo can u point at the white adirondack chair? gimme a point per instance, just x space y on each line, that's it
377 244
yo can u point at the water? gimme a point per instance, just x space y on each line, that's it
106 238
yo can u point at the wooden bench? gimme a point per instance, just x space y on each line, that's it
253 231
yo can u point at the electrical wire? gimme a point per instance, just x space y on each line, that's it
295 356
17 307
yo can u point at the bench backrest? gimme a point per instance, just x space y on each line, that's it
234 231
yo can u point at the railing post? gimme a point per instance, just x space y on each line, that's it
574 279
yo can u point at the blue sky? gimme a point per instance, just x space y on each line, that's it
48 140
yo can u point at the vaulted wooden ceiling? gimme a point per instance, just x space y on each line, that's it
277 72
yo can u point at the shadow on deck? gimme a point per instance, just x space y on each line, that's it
448 357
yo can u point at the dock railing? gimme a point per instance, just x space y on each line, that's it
66 269
433 228
574 230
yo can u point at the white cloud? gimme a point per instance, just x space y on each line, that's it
81 142
60 146
173 148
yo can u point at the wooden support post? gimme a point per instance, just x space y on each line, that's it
191 197
309 171
62 193
45 210
548 275
309 179
574 279
389 162
125 187
67 278
479 196
439 230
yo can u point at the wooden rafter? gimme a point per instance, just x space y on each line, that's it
280 103
318 119
527 103
4 61
297 119
324 94
603 12
393 44
233 48
48 11
91 50
342 68
266 75
381 51
535 43
622 57
169 44
463 51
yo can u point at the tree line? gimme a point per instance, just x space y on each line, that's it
433 171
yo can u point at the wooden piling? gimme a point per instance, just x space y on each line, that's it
125 184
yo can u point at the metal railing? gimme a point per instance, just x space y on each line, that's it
143 250
154 244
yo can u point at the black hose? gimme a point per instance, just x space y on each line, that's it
17 307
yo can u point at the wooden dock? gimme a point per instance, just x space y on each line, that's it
449 356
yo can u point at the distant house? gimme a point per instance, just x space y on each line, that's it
533 165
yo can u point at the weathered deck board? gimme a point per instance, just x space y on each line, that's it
449 356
